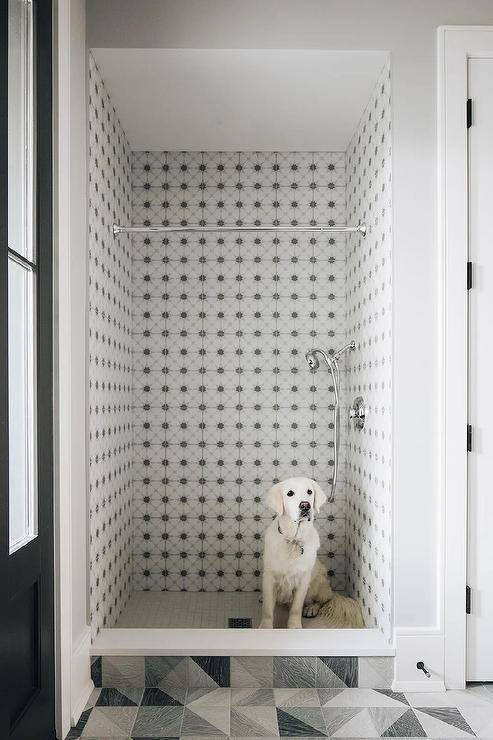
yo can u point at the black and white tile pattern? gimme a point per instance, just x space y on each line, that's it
110 361
287 712
197 349
223 400
174 673
369 367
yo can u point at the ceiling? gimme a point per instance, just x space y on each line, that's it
239 99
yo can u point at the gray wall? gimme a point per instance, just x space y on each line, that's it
408 30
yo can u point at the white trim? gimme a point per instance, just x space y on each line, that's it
61 372
361 642
418 686
456 44
81 682
415 644
72 634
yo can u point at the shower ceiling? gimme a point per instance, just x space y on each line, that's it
239 99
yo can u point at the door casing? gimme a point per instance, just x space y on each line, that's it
456 45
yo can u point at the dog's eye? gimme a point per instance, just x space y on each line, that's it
309 492
290 493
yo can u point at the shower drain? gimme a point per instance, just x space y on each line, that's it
240 622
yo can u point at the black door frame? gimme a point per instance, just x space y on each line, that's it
36 559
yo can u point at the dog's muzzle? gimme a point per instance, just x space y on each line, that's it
305 508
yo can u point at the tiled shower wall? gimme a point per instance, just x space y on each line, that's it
110 358
223 399
369 323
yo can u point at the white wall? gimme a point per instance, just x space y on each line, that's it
408 30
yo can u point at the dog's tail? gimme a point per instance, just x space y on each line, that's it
342 612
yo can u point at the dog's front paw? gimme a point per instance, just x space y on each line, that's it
311 610
295 624
266 624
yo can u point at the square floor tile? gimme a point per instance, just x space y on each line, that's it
301 721
296 698
251 671
294 672
109 722
128 697
122 671
253 697
158 722
206 721
208 697
260 721
153 697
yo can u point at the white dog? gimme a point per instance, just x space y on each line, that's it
292 573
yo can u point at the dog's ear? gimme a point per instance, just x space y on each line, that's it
319 497
275 500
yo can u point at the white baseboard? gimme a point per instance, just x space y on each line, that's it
412 646
82 684
425 686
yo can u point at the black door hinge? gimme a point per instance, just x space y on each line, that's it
469 275
468 599
469 112
469 438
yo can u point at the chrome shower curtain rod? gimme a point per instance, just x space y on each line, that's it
117 229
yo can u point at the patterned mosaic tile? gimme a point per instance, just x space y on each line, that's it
110 360
368 292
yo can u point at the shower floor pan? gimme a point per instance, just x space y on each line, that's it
184 623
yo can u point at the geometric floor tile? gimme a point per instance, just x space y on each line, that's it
375 672
475 696
294 672
343 669
248 671
430 699
479 718
396 722
119 698
326 677
296 698
395 696
349 722
337 717
123 671
256 697
110 722
159 698
301 722
206 720
362 698
207 697
212 712
260 721
158 722
166 672
209 671
326 696
443 721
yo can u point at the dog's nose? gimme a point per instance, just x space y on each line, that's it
305 505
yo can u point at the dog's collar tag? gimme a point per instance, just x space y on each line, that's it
293 541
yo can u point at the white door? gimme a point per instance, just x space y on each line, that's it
480 459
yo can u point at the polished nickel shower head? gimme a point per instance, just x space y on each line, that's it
312 356
312 360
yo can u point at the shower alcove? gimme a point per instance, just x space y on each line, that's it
199 393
